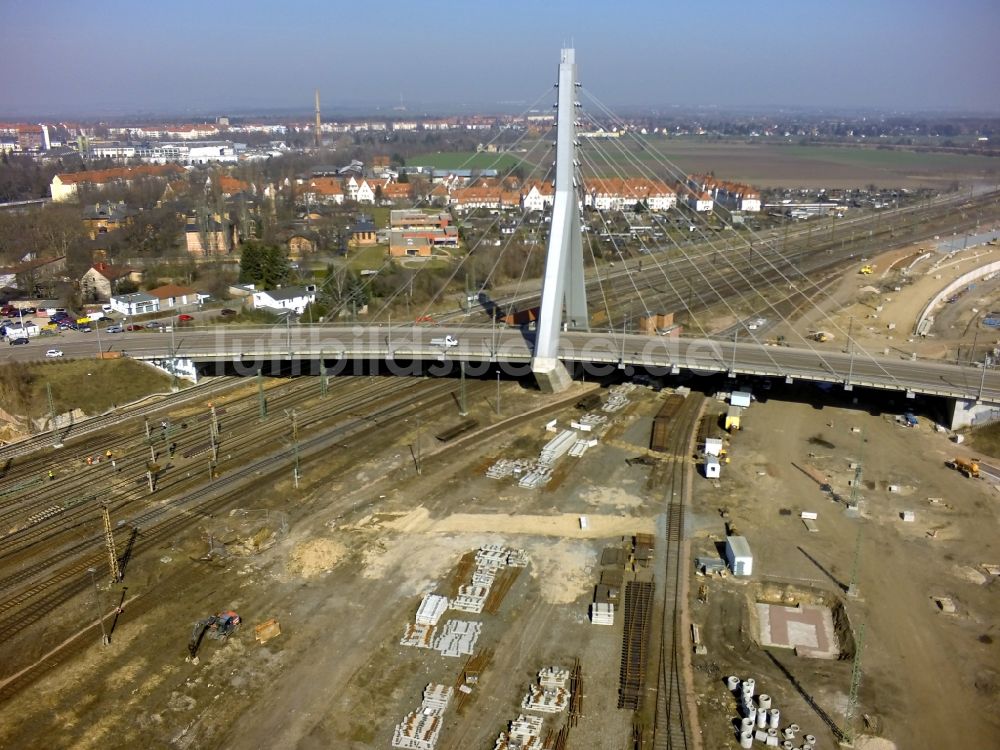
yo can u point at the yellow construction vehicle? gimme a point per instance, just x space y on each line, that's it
968 466
867 270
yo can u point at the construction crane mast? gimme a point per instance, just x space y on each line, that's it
317 126
109 542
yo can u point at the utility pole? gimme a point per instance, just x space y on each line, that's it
462 410
854 505
416 451
213 433
852 699
52 409
295 446
100 610
152 449
109 543
261 399
498 391
324 377
732 368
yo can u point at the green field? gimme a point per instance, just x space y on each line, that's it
465 160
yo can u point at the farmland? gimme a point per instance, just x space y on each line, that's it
772 164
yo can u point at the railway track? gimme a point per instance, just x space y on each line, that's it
21 610
58 533
670 730
94 424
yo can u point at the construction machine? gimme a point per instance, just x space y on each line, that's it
968 466
219 626
866 270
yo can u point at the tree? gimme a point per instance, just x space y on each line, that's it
264 266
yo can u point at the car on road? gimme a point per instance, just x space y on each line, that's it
133 327
226 312
19 340
54 353
154 324
184 317
113 329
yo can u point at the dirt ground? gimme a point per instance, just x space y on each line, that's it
883 323
928 679
367 538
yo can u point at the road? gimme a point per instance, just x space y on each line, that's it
245 349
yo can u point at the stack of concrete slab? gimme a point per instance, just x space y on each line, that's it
553 677
509 467
557 447
602 614
525 734
550 695
458 638
418 636
516 558
492 556
581 446
431 608
588 422
546 700
484 576
618 397
470 598
419 730
537 477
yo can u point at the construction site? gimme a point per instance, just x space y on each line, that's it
572 575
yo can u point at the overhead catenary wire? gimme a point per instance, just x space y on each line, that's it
672 168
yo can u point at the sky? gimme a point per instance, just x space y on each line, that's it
222 56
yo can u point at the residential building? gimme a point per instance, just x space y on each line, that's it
137 303
100 281
397 192
101 218
294 298
492 198
368 191
615 194
301 243
171 296
323 190
210 236
538 196
64 186
735 196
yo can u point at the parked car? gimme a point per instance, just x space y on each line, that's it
154 324
226 312
184 317
133 327
113 329
19 340
54 353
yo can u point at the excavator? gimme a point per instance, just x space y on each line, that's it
219 627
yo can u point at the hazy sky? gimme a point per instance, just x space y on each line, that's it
59 56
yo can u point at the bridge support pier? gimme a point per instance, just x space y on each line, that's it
967 413
563 283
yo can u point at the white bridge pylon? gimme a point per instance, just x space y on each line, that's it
563 286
